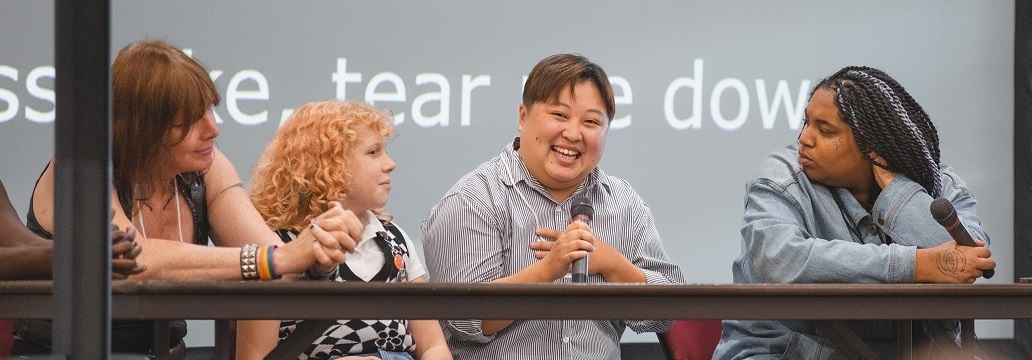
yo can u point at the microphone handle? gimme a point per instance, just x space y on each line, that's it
580 270
960 234
580 266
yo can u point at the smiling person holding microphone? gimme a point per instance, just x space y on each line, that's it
489 226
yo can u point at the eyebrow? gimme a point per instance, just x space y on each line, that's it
823 122
596 111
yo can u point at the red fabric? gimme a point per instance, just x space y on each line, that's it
691 339
6 337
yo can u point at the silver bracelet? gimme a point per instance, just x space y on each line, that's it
249 262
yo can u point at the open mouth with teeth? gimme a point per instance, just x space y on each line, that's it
566 153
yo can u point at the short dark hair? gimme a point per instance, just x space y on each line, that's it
885 119
554 73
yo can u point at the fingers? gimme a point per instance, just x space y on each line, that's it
986 264
549 234
572 244
126 266
327 248
122 268
121 248
979 261
576 230
342 225
136 250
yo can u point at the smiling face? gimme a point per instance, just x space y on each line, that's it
368 173
195 151
562 141
827 150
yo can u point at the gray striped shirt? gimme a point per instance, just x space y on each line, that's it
480 232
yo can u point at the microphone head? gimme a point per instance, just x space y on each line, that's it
582 206
943 211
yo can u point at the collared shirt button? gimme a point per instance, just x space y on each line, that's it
874 230
559 209
566 339
881 219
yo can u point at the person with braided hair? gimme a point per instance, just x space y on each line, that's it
849 203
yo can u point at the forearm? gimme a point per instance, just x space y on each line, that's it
27 263
491 327
623 271
783 246
434 353
430 343
170 260
531 274
256 338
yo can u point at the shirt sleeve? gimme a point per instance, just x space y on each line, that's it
462 243
902 211
781 249
652 259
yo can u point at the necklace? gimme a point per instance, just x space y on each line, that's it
179 214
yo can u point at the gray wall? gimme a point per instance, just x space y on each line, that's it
705 89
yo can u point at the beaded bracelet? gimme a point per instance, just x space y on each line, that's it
248 262
313 274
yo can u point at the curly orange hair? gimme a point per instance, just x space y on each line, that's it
306 164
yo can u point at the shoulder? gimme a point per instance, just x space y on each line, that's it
480 184
399 232
616 188
221 172
780 169
952 181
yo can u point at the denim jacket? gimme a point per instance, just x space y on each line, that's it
795 231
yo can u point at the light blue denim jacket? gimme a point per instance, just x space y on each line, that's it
793 231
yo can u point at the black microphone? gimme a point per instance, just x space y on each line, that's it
583 212
946 215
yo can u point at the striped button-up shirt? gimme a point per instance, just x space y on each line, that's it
480 231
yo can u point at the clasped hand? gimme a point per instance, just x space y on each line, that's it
124 250
566 246
323 243
962 264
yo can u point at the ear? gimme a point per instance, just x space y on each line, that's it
523 117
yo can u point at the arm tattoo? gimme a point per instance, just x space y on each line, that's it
950 262
237 185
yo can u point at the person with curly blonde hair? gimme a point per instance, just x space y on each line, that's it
335 151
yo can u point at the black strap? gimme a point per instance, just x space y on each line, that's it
299 340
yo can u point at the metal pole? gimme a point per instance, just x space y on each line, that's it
82 179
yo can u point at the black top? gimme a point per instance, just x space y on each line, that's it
190 184
128 336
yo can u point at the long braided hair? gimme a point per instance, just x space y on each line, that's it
886 120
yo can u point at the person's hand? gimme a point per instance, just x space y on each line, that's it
124 250
571 244
359 358
323 243
952 263
881 175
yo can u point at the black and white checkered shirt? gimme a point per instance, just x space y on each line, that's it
480 232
